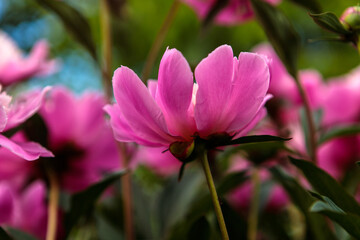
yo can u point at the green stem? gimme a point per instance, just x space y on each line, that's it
214 196
254 208
54 191
309 119
127 194
105 23
160 37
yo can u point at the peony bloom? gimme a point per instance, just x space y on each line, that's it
12 114
15 68
235 12
228 98
80 139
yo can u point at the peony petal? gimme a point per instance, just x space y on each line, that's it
152 86
140 111
24 107
26 150
248 90
175 87
213 76
3 118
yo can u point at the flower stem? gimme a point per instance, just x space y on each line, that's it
105 23
127 194
54 191
309 119
214 196
254 208
160 37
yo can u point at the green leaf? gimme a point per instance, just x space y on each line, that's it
81 203
329 21
349 221
303 200
255 139
340 132
280 33
323 183
19 235
74 21
4 235
312 5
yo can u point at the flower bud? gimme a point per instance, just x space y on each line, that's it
182 150
351 18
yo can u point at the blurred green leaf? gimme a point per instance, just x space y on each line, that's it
327 186
312 5
339 132
74 21
4 235
202 204
251 139
349 221
303 200
280 33
81 203
329 21
19 235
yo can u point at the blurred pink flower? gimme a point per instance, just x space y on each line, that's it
284 89
339 155
162 163
240 198
229 97
24 209
80 138
12 114
340 99
14 67
235 12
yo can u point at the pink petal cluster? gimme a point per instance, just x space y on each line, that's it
12 114
14 67
228 97
235 12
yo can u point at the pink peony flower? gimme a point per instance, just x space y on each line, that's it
227 98
14 114
81 139
15 68
235 12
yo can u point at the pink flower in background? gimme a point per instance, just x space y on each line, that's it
14 67
12 114
24 209
79 137
235 12
340 99
284 89
161 163
228 97
240 197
